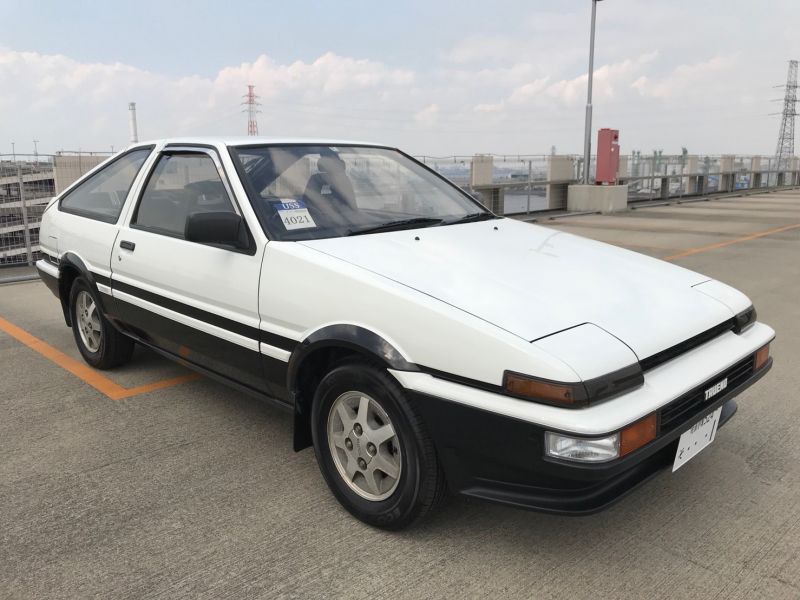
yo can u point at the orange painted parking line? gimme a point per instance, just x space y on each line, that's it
158 385
102 384
745 238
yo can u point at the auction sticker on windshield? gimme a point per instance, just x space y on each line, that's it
294 214
698 437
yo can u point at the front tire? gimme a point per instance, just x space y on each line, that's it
372 448
100 344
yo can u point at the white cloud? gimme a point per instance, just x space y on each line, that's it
542 92
329 74
691 79
85 104
656 79
428 115
528 91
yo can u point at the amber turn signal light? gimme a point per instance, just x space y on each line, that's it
762 356
558 393
637 435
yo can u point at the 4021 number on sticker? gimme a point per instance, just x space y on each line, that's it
294 214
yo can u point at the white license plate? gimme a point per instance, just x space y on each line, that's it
698 437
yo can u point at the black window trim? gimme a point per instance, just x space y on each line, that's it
251 194
210 151
102 167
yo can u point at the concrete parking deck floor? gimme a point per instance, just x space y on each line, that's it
192 490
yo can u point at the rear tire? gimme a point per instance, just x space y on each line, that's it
372 448
100 344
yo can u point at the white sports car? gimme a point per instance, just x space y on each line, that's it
421 341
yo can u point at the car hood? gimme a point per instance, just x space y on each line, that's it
534 281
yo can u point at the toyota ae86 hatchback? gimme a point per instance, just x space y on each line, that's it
422 342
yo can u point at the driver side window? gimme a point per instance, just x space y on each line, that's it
181 184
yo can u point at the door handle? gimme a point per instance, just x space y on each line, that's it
127 245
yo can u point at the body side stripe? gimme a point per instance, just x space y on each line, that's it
197 314
204 326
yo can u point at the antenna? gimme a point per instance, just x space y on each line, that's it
785 149
252 104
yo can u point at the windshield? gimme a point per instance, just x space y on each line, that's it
303 192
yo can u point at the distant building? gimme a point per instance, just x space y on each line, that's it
26 186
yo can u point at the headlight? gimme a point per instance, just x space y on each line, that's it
595 450
582 449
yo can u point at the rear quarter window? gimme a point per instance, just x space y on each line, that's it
103 195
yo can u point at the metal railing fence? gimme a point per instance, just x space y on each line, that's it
529 183
664 177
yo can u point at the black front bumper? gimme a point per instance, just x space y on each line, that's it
49 280
493 457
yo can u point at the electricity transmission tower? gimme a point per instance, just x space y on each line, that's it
785 150
252 104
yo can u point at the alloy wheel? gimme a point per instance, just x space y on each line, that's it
88 321
364 445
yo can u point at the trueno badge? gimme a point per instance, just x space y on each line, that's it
716 388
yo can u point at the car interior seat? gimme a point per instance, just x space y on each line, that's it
164 209
208 196
330 190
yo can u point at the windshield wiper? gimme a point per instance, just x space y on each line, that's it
481 216
392 225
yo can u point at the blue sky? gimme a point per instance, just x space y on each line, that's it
216 34
432 77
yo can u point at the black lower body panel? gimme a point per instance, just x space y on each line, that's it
493 457
212 353
250 391
49 280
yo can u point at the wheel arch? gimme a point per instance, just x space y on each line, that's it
322 349
71 266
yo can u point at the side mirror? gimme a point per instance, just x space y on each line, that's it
226 228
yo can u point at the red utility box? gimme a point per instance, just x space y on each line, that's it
607 156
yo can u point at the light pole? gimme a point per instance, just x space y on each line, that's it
36 151
587 138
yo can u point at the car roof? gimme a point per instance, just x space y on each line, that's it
257 140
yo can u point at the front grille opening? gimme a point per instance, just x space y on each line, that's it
694 402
